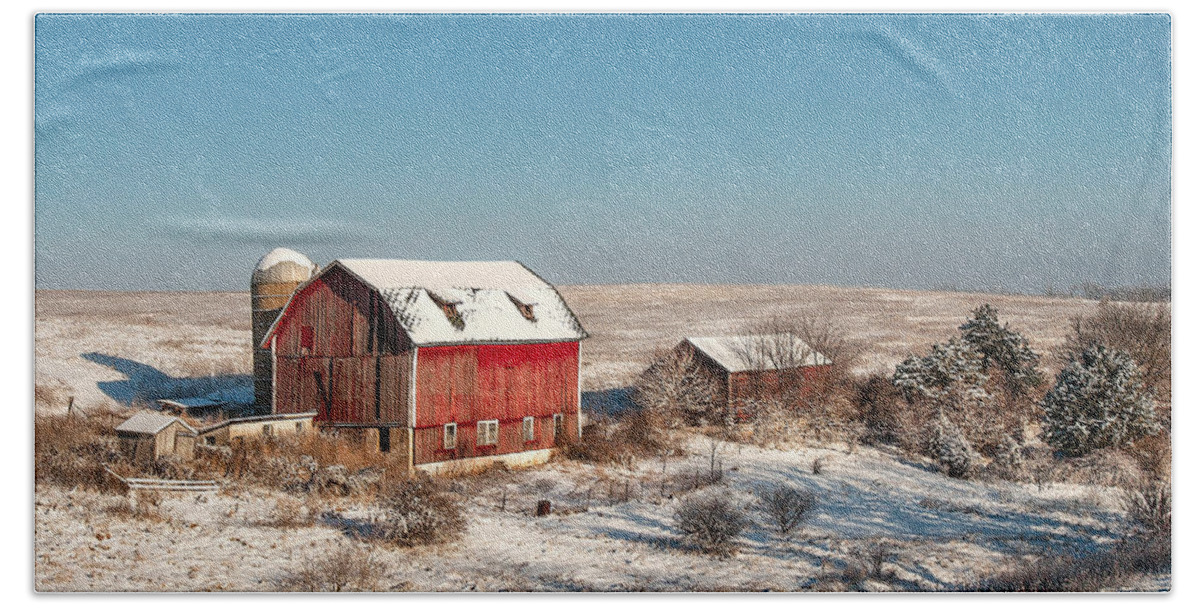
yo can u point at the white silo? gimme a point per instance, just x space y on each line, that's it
275 278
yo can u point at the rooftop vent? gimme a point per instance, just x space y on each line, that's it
526 309
450 309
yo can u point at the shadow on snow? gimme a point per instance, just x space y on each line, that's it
146 384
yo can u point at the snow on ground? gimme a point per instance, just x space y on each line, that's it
945 532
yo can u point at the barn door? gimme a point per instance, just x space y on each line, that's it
354 390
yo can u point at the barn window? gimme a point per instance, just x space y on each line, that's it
449 436
527 428
558 426
487 432
306 338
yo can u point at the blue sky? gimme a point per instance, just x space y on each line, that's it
996 152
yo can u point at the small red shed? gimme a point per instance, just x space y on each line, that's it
432 361
750 368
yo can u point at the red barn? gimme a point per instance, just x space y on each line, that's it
758 367
432 361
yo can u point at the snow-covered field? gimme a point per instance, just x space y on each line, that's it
149 338
106 349
944 532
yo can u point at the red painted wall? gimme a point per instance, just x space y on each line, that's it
465 384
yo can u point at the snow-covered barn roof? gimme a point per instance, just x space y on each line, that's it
146 422
465 302
752 352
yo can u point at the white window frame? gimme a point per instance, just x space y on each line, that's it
449 436
559 423
529 429
487 432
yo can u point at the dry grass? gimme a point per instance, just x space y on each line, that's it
311 462
348 568
159 308
634 436
71 451
290 512
1106 569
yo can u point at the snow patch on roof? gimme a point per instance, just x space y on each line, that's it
734 352
150 423
488 315
280 255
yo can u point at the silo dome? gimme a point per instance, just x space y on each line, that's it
283 265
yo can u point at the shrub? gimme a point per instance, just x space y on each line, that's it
346 569
418 512
978 380
1009 461
949 447
785 506
712 523
1067 572
675 387
1148 506
1098 400
874 556
637 434
881 411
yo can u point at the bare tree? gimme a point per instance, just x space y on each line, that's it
782 343
676 387
1141 329
774 344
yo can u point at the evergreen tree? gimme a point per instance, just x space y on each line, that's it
1098 400
1002 349
950 448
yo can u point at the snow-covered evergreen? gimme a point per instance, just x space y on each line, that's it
1003 349
1098 400
950 448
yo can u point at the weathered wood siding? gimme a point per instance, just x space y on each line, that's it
790 386
466 384
339 351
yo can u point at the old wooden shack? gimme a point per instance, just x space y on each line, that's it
147 435
432 361
272 425
756 368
